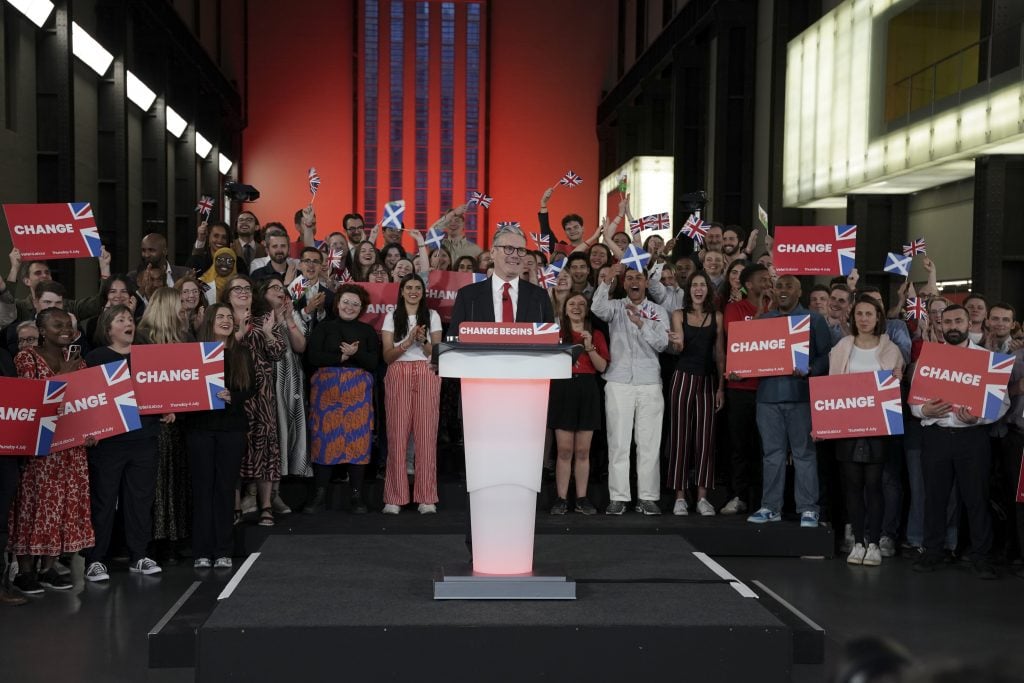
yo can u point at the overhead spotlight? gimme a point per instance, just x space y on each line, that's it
139 93
38 11
203 146
225 164
175 124
89 51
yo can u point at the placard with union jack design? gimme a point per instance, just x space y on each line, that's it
99 402
814 249
768 347
178 378
53 231
28 412
859 404
509 333
974 378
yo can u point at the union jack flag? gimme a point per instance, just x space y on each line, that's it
915 247
508 224
205 206
916 309
657 221
648 312
695 229
635 227
314 180
481 199
570 179
548 277
336 261
543 241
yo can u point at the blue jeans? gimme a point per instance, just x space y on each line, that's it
786 427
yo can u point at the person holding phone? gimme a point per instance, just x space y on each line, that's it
413 393
50 515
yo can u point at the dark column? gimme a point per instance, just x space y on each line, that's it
881 222
997 259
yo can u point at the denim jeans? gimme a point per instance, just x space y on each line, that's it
786 427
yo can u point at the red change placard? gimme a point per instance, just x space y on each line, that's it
28 412
814 249
768 347
443 287
509 333
53 231
973 378
98 402
178 378
382 301
856 405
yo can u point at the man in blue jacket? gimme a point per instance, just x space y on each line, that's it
784 418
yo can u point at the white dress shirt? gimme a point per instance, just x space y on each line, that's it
497 287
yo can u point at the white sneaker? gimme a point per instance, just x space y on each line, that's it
872 556
427 508
705 508
887 546
680 508
390 509
202 563
97 571
145 566
734 507
222 563
856 555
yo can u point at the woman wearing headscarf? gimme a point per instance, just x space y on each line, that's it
217 277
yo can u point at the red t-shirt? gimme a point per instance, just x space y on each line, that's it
738 311
583 365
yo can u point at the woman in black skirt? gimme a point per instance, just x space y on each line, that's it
574 406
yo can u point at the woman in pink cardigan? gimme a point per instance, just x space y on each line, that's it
861 460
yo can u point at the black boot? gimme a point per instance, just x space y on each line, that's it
318 503
356 504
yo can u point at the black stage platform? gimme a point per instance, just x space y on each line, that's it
319 607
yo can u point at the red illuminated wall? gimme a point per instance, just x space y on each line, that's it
546 63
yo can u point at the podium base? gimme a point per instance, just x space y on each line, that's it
459 582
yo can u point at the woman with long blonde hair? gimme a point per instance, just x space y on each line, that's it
162 321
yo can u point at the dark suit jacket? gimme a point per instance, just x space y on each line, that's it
329 308
474 303
177 272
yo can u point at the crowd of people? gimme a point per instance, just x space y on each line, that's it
310 386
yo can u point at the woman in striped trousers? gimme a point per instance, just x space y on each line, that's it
697 395
412 393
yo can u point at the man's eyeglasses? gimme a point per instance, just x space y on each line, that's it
311 262
241 289
509 250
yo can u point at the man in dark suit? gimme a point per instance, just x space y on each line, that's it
503 297
490 300
154 255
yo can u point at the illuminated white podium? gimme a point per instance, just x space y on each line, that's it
504 407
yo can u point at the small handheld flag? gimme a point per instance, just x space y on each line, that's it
298 287
762 216
393 212
622 183
635 258
570 179
916 309
205 206
648 312
915 247
695 229
635 227
543 241
314 180
481 199
657 221
897 264
434 238
336 261
508 224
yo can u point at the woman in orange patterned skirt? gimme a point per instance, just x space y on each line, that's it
345 352
50 514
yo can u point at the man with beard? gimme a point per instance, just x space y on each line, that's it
278 264
713 240
955 447
734 243
784 419
154 256
316 302
245 245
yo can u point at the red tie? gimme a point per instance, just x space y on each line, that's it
507 316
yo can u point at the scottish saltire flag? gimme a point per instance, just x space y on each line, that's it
543 241
916 309
557 266
801 350
892 409
393 213
657 221
481 199
508 224
695 229
1000 365
897 264
434 238
635 258
915 247
570 179
314 180
205 206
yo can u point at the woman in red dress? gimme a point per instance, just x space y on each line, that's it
50 515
